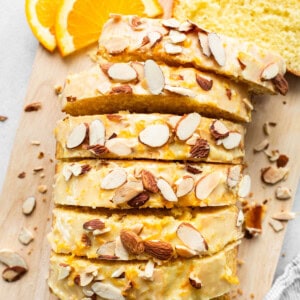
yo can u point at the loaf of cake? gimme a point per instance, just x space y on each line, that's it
150 136
126 38
149 87
146 184
205 278
136 235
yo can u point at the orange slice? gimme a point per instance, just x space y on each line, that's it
79 22
41 16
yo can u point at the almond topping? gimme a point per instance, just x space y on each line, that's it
272 175
193 170
204 83
218 130
193 139
128 191
173 121
176 37
180 91
203 39
159 249
244 186
172 49
191 237
284 216
25 236
96 133
116 45
28 205
137 228
119 273
155 135
107 250
270 71
187 126
232 141
12 259
186 26
120 250
283 193
63 271
207 184
121 89
94 225
281 84
132 242
139 69
147 274
77 136
85 279
149 181
122 72
171 23
216 48
154 37
14 273
114 179
185 252
264 144
276 225
195 282
233 177
139 200
107 291
118 146
185 186
200 149
166 190
154 77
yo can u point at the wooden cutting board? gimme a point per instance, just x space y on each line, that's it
260 254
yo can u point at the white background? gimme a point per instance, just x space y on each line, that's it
17 51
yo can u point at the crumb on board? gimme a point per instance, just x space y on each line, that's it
22 175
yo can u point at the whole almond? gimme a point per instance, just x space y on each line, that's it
132 242
158 249
149 181
281 85
200 149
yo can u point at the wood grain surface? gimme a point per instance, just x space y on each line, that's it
260 254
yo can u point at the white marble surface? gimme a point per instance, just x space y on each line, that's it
17 51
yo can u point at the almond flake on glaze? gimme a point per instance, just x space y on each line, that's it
207 184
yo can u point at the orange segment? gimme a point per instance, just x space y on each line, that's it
41 16
79 22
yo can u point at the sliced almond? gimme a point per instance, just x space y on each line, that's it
180 91
171 23
148 273
159 249
154 77
201 149
218 130
203 39
119 273
262 145
172 49
132 242
94 224
191 237
232 141
283 193
195 281
185 186
187 126
155 135
107 250
87 292
11 274
114 179
85 279
107 291
139 200
101 231
173 121
217 49
121 89
96 133
120 250
139 68
122 72
166 190
276 225
25 236
240 218
270 71
137 228
192 169
185 252
272 175
273 155
128 191
118 146
28 205
64 271
207 184
176 37
233 178
12 259
186 26
284 216
204 83
116 45
193 139
244 186
77 136
149 181
154 37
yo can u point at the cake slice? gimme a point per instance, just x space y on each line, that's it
150 136
132 86
206 278
137 235
126 38
146 184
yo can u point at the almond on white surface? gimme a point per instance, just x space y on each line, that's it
114 179
207 184
283 193
76 136
96 133
12 259
28 205
191 237
25 236
155 135
154 77
272 175
217 49
185 186
276 225
122 72
166 190
187 126
262 145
